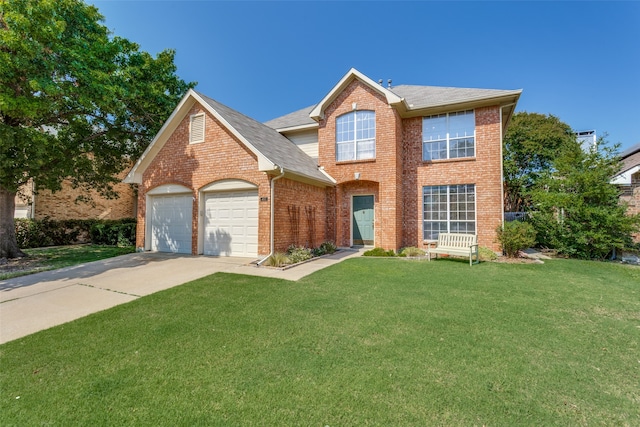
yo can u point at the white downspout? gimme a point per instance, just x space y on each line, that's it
272 188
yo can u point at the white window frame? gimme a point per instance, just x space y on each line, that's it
448 212
355 142
192 118
447 141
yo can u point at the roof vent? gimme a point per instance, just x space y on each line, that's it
380 82
389 84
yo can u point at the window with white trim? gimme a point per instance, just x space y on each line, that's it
356 136
448 136
448 209
196 128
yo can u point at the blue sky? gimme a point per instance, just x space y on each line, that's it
577 60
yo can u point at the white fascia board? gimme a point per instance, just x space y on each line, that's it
318 111
264 164
624 178
297 176
297 128
325 173
135 174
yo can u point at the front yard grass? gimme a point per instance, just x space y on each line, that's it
365 342
51 258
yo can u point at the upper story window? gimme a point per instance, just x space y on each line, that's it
448 136
356 136
196 128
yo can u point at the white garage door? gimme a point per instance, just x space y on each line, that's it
171 223
231 223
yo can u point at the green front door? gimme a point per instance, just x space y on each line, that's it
363 220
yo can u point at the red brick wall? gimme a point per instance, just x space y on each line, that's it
484 171
380 176
631 196
305 202
62 204
395 177
397 174
220 156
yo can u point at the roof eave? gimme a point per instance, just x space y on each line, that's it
264 163
328 181
297 128
135 174
191 97
502 100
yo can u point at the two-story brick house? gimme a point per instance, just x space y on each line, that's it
369 164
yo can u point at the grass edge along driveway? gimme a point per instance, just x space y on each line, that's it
365 342
52 258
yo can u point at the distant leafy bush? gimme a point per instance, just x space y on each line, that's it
32 233
515 236
487 254
412 251
298 254
380 252
324 249
114 232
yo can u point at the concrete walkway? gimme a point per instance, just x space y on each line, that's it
39 301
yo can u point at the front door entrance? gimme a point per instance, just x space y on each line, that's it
362 220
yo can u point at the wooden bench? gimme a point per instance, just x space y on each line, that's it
456 244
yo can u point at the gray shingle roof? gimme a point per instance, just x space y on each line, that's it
275 147
416 97
628 159
297 118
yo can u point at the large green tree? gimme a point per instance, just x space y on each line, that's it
531 144
76 102
576 208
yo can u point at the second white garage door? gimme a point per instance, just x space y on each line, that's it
231 223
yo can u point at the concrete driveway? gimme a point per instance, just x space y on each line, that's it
39 301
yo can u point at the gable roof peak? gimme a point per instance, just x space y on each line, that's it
318 111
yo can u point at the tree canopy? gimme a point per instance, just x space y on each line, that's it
76 102
576 208
531 144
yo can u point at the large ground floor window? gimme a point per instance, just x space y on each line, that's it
448 209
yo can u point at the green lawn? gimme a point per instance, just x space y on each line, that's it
366 342
43 259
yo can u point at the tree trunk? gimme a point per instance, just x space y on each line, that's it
8 243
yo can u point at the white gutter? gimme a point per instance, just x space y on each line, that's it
272 188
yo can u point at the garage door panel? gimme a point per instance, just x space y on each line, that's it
252 213
171 223
231 223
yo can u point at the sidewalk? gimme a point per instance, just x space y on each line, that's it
39 301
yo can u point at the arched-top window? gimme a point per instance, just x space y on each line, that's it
356 136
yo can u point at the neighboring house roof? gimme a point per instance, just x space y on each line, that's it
273 150
409 100
625 157
630 165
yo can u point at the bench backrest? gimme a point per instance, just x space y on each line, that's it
456 240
